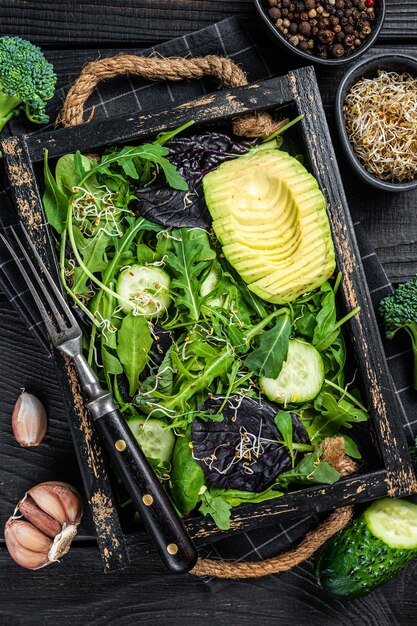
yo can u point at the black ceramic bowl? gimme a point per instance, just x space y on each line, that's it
284 43
367 69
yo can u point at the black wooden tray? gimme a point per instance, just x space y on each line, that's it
296 93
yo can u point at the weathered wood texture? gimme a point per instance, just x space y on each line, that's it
75 593
133 21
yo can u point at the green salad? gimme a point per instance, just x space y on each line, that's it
202 270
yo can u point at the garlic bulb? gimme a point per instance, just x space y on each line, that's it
52 513
29 421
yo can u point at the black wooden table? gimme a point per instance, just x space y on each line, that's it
77 592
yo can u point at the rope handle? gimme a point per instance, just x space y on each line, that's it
256 124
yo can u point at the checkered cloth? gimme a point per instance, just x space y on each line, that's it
125 96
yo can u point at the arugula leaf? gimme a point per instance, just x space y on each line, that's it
55 202
326 317
187 477
333 415
351 447
268 358
190 256
217 507
134 341
92 252
130 159
310 470
218 502
283 422
163 137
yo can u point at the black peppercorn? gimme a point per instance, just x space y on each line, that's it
286 4
314 31
349 29
293 28
337 50
323 23
334 21
349 41
303 45
274 13
340 37
310 4
326 36
304 28
304 16
299 6
284 12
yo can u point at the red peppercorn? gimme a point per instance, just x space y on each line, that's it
370 3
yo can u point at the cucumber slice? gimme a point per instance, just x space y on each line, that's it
144 290
394 522
356 561
155 441
301 377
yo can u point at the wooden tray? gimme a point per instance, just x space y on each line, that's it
391 471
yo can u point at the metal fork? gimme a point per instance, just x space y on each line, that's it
158 514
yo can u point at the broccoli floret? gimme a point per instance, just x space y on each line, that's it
399 310
27 80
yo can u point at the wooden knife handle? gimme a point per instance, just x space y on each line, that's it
158 514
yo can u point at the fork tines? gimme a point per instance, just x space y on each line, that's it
59 319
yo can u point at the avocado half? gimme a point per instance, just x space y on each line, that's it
270 217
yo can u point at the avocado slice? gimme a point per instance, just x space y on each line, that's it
270 217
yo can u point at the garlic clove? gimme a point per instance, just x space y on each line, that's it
29 421
26 544
39 518
47 500
71 501
53 511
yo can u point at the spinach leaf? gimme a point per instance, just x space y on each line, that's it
190 256
310 470
54 200
268 358
351 447
283 421
67 175
134 341
111 362
187 477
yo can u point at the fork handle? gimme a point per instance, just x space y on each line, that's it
158 514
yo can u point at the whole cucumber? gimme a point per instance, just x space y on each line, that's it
370 551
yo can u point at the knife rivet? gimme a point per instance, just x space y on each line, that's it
147 499
120 445
172 548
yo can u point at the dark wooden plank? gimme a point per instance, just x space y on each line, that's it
107 22
76 593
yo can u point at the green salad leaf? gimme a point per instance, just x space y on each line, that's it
134 341
191 254
187 477
268 358
283 422
310 470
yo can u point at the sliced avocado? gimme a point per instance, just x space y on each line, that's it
270 217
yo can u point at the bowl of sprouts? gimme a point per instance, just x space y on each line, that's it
376 112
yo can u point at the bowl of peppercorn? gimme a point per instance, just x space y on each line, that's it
326 32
